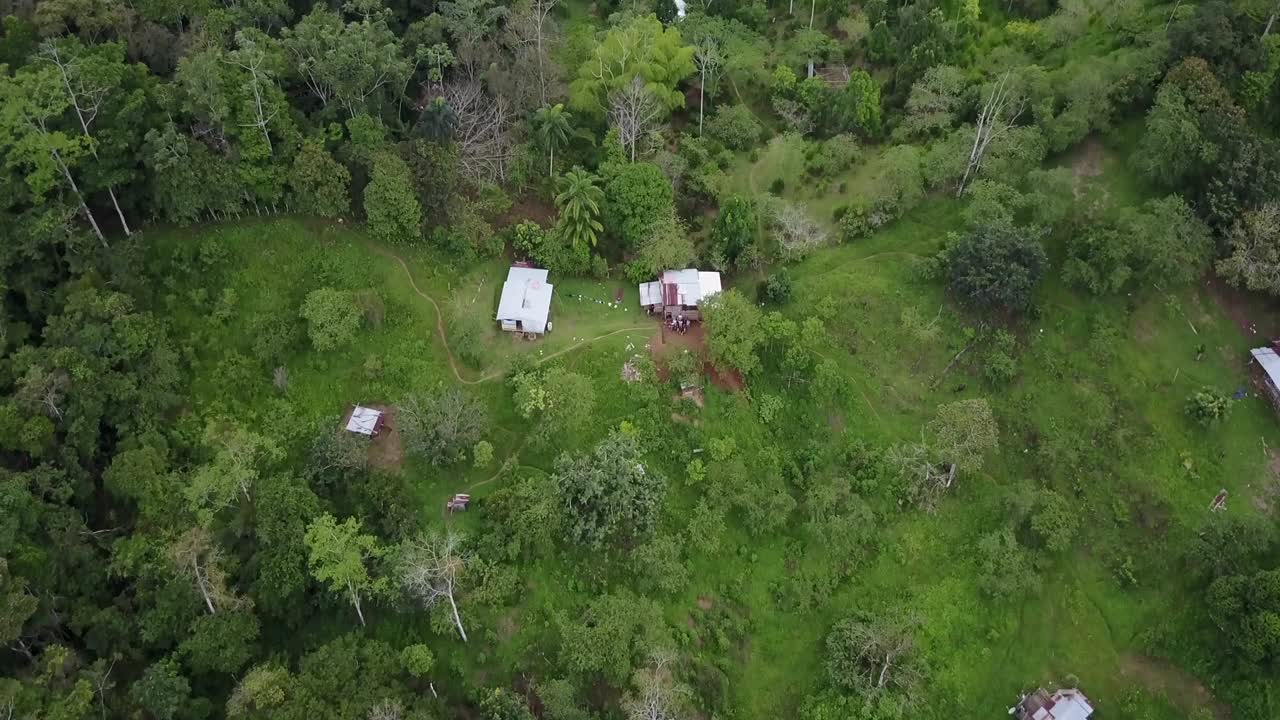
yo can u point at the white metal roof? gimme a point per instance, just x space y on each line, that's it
363 420
1071 705
1270 363
692 287
526 297
651 293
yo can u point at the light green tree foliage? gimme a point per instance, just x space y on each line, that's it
1247 609
735 329
482 454
610 495
856 106
636 196
639 48
561 400
1004 565
389 201
16 604
735 127
332 317
735 229
238 458
613 633
339 555
579 199
318 184
353 66
30 103
667 245
417 660
162 690
1253 259
936 101
260 692
1160 243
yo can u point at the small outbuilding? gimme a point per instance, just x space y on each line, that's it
365 421
525 305
1065 704
679 292
1269 361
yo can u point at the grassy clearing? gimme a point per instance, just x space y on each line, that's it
1122 364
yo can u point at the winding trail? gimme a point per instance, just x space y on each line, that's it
444 338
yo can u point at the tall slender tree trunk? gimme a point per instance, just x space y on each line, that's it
355 600
457 619
551 166
813 6
84 127
76 189
204 588
1271 22
702 90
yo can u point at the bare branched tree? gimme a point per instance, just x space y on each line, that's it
482 130
250 58
196 555
999 113
927 478
429 569
87 93
634 111
876 654
708 57
657 696
533 33
387 710
798 233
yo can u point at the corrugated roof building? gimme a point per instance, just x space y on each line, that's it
1067 704
525 305
679 291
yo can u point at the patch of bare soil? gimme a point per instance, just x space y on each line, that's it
528 206
508 626
835 421
694 340
1252 320
386 451
706 602
1179 686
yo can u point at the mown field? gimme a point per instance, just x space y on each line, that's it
1094 412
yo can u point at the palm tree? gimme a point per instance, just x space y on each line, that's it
579 204
551 125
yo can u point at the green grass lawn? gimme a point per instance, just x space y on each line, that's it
1121 366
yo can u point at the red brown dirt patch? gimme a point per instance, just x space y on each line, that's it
386 451
706 602
665 341
527 207
1087 160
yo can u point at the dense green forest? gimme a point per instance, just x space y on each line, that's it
951 432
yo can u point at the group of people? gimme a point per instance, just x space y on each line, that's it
679 323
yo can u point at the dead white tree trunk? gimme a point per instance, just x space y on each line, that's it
66 172
355 600
86 103
633 110
250 60
429 569
994 120
708 57
1271 22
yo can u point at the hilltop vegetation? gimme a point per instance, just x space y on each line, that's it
952 430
